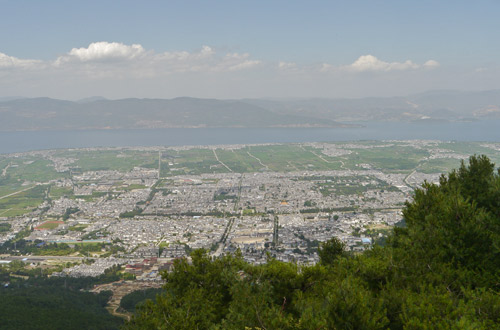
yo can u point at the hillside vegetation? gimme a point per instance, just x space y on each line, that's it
55 302
52 114
441 271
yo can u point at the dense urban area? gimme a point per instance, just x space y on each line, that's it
83 212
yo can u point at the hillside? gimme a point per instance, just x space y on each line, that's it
100 113
432 105
96 113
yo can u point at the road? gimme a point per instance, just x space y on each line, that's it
406 178
41 258
258 159
4 171
217 157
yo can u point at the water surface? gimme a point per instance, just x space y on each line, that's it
457 131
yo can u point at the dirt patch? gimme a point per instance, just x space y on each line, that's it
121 289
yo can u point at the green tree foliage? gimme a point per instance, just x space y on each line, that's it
133 299
42 302
56 249
5 227
49 305
69 211
440 271
331 250
453 228
131 214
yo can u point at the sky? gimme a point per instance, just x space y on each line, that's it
247 49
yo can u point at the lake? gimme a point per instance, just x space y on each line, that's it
11 142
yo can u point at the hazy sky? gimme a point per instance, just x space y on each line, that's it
236 49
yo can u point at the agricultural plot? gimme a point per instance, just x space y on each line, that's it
465 148
191 161
239 161
390 158
278 158
22 202
393 156
118 160
58 192
474 148
439 165
292 157
32 169
9 186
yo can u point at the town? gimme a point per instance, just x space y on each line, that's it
141 208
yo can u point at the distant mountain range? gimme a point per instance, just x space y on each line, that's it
429 106
99 113
50 114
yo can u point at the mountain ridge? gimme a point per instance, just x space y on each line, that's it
46 113
97 112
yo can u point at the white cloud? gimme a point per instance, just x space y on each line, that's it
431 64
286 65
325 67
371 63
205 53
236 62
101 51
244 65
98 58
14 62
116 69
205 60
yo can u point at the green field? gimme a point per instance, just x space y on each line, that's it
280 158
192 161
239 161
293 157
78 227
390 156
33 169
387 159
22 202
394 156
9 186
472 148
58 192
439 165
465 148
119 160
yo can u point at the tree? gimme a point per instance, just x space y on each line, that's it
456 222
330 250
